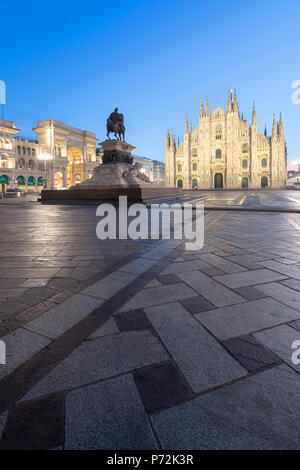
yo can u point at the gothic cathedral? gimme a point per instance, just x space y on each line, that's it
225 152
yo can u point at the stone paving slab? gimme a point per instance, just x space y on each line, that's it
175 268
108 416
62 317
214 292
249 261
158 295
100 359
36 425
109 285
22 273
250 352
292 283
295 324
250 293
138 266
223 264
280 340
107 329
200 358
161 386
259 412
20 346
281 293
287 270
249 278
249 317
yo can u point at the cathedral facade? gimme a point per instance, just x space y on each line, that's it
223 151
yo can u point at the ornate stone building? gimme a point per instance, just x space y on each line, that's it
73 153
223 151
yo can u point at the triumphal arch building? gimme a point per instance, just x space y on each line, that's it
73 151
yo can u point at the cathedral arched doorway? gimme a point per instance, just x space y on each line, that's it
218 181
75 166
245 183
264 182
179 183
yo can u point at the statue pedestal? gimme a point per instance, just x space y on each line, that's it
115 177
116 169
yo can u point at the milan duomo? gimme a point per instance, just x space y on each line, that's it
225 152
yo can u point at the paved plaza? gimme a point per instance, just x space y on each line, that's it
143 345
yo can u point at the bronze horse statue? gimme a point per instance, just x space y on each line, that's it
115 124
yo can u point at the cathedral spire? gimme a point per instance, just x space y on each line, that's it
206 107
172 140
254 122
186 125
274 127
168 139
235 103
265 133
281 132
229 102
201 109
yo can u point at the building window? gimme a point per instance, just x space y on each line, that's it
31 164
218 132
179 184
24 150
33 152
19 150
218 153
194 166
245 164
264 162
21 163
245 148
29 152
179 168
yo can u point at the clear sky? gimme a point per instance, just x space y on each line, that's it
75 61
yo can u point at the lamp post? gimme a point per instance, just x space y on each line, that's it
45 157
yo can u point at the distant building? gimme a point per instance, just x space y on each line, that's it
158 172
223 151
147 165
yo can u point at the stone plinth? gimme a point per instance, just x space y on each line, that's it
116 169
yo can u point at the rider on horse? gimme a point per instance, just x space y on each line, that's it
115 124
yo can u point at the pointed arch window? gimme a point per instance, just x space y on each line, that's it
179 167
245 163
194 167
245 148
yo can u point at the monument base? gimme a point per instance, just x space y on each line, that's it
135 193
115 177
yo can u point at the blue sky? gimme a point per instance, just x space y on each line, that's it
76 61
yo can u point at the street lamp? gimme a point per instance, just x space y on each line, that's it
45 157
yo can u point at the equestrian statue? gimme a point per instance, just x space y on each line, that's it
115 124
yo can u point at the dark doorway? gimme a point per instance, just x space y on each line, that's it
264 182
245 183
218 181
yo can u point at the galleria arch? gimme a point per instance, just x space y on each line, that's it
74 152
